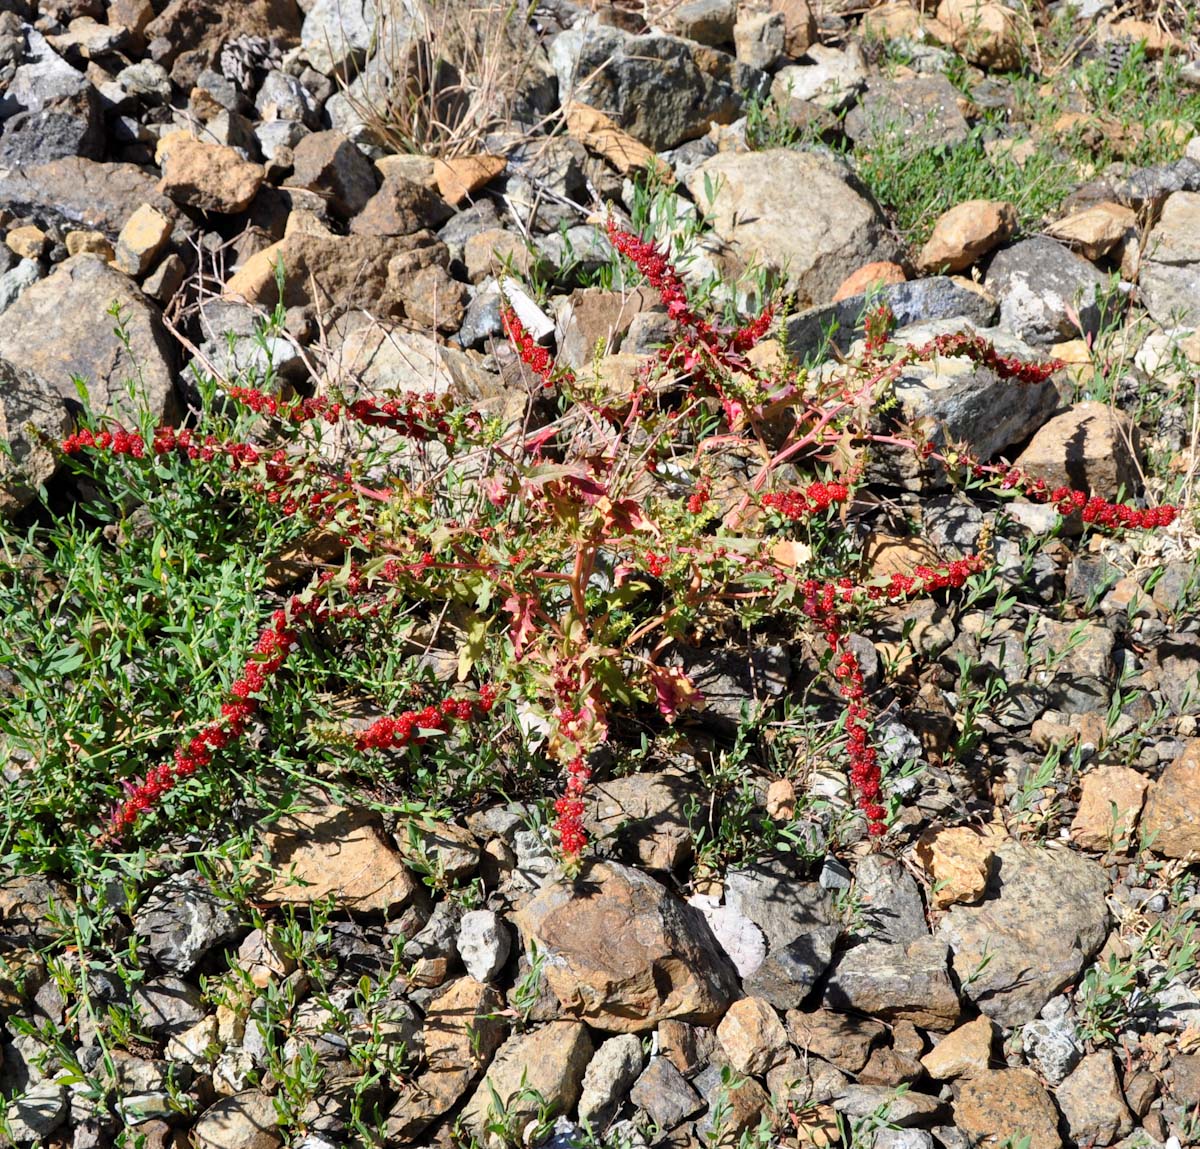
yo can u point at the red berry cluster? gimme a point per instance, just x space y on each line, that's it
656 564
272 648
400 730
572 837
983 352
532 353
810 500
926 580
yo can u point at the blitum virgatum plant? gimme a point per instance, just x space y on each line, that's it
582 544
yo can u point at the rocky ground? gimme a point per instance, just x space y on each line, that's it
1013 964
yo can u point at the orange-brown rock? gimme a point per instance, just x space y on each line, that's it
1171 819
1110 801
624 953
877 274
966 232
1086 447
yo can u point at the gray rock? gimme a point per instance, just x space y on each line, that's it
1092 1102
778 900
168 1006
76 192
917 301
832 80
329 164
233 346
735 681
146 80
789 973
614 1068
336 32
1044 288
42 78
1054 1045
705 21
38 1113
905 1109
892 909
971 403
484 943
59 328
30 415
1074 663
902 1139
247 1120
1042 919
809 243
660 89
914 114
437 938
274 135
737 935
71 126
13 282
1169 279
1150 186
896 983
665 1095
182 920
284 97
835 874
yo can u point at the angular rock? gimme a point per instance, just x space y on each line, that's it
1092 1102
330 165
758 39
1074 662
665 1095
896 983
144 235
1110 801
1043 918
958 861
916 301
811 246
246 1120
331 850
59 328
661 90
401 206
966 232
1169 278
460 1036
71 126
1046 291
610 1075
1171 818
182 920
1007 1102
29 419
1095 231
14 281
1086 447
645 817
592 318
734 1105
484 943
970 402
550 1060
752 1036
1051 1043
843 1039
832 80
906 1109
168 1006
32 1117
336 32
892 910
81 193
624 954
741 940
869 279
41 78
985 31
911 115
963 1052
348 271
459 177
207 176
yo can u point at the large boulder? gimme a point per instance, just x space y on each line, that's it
662 90
31 416
1042 919
1170 270
61 329
811 241
75 193
624 954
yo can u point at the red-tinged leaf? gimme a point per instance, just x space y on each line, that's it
521 608
625 516
674 691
